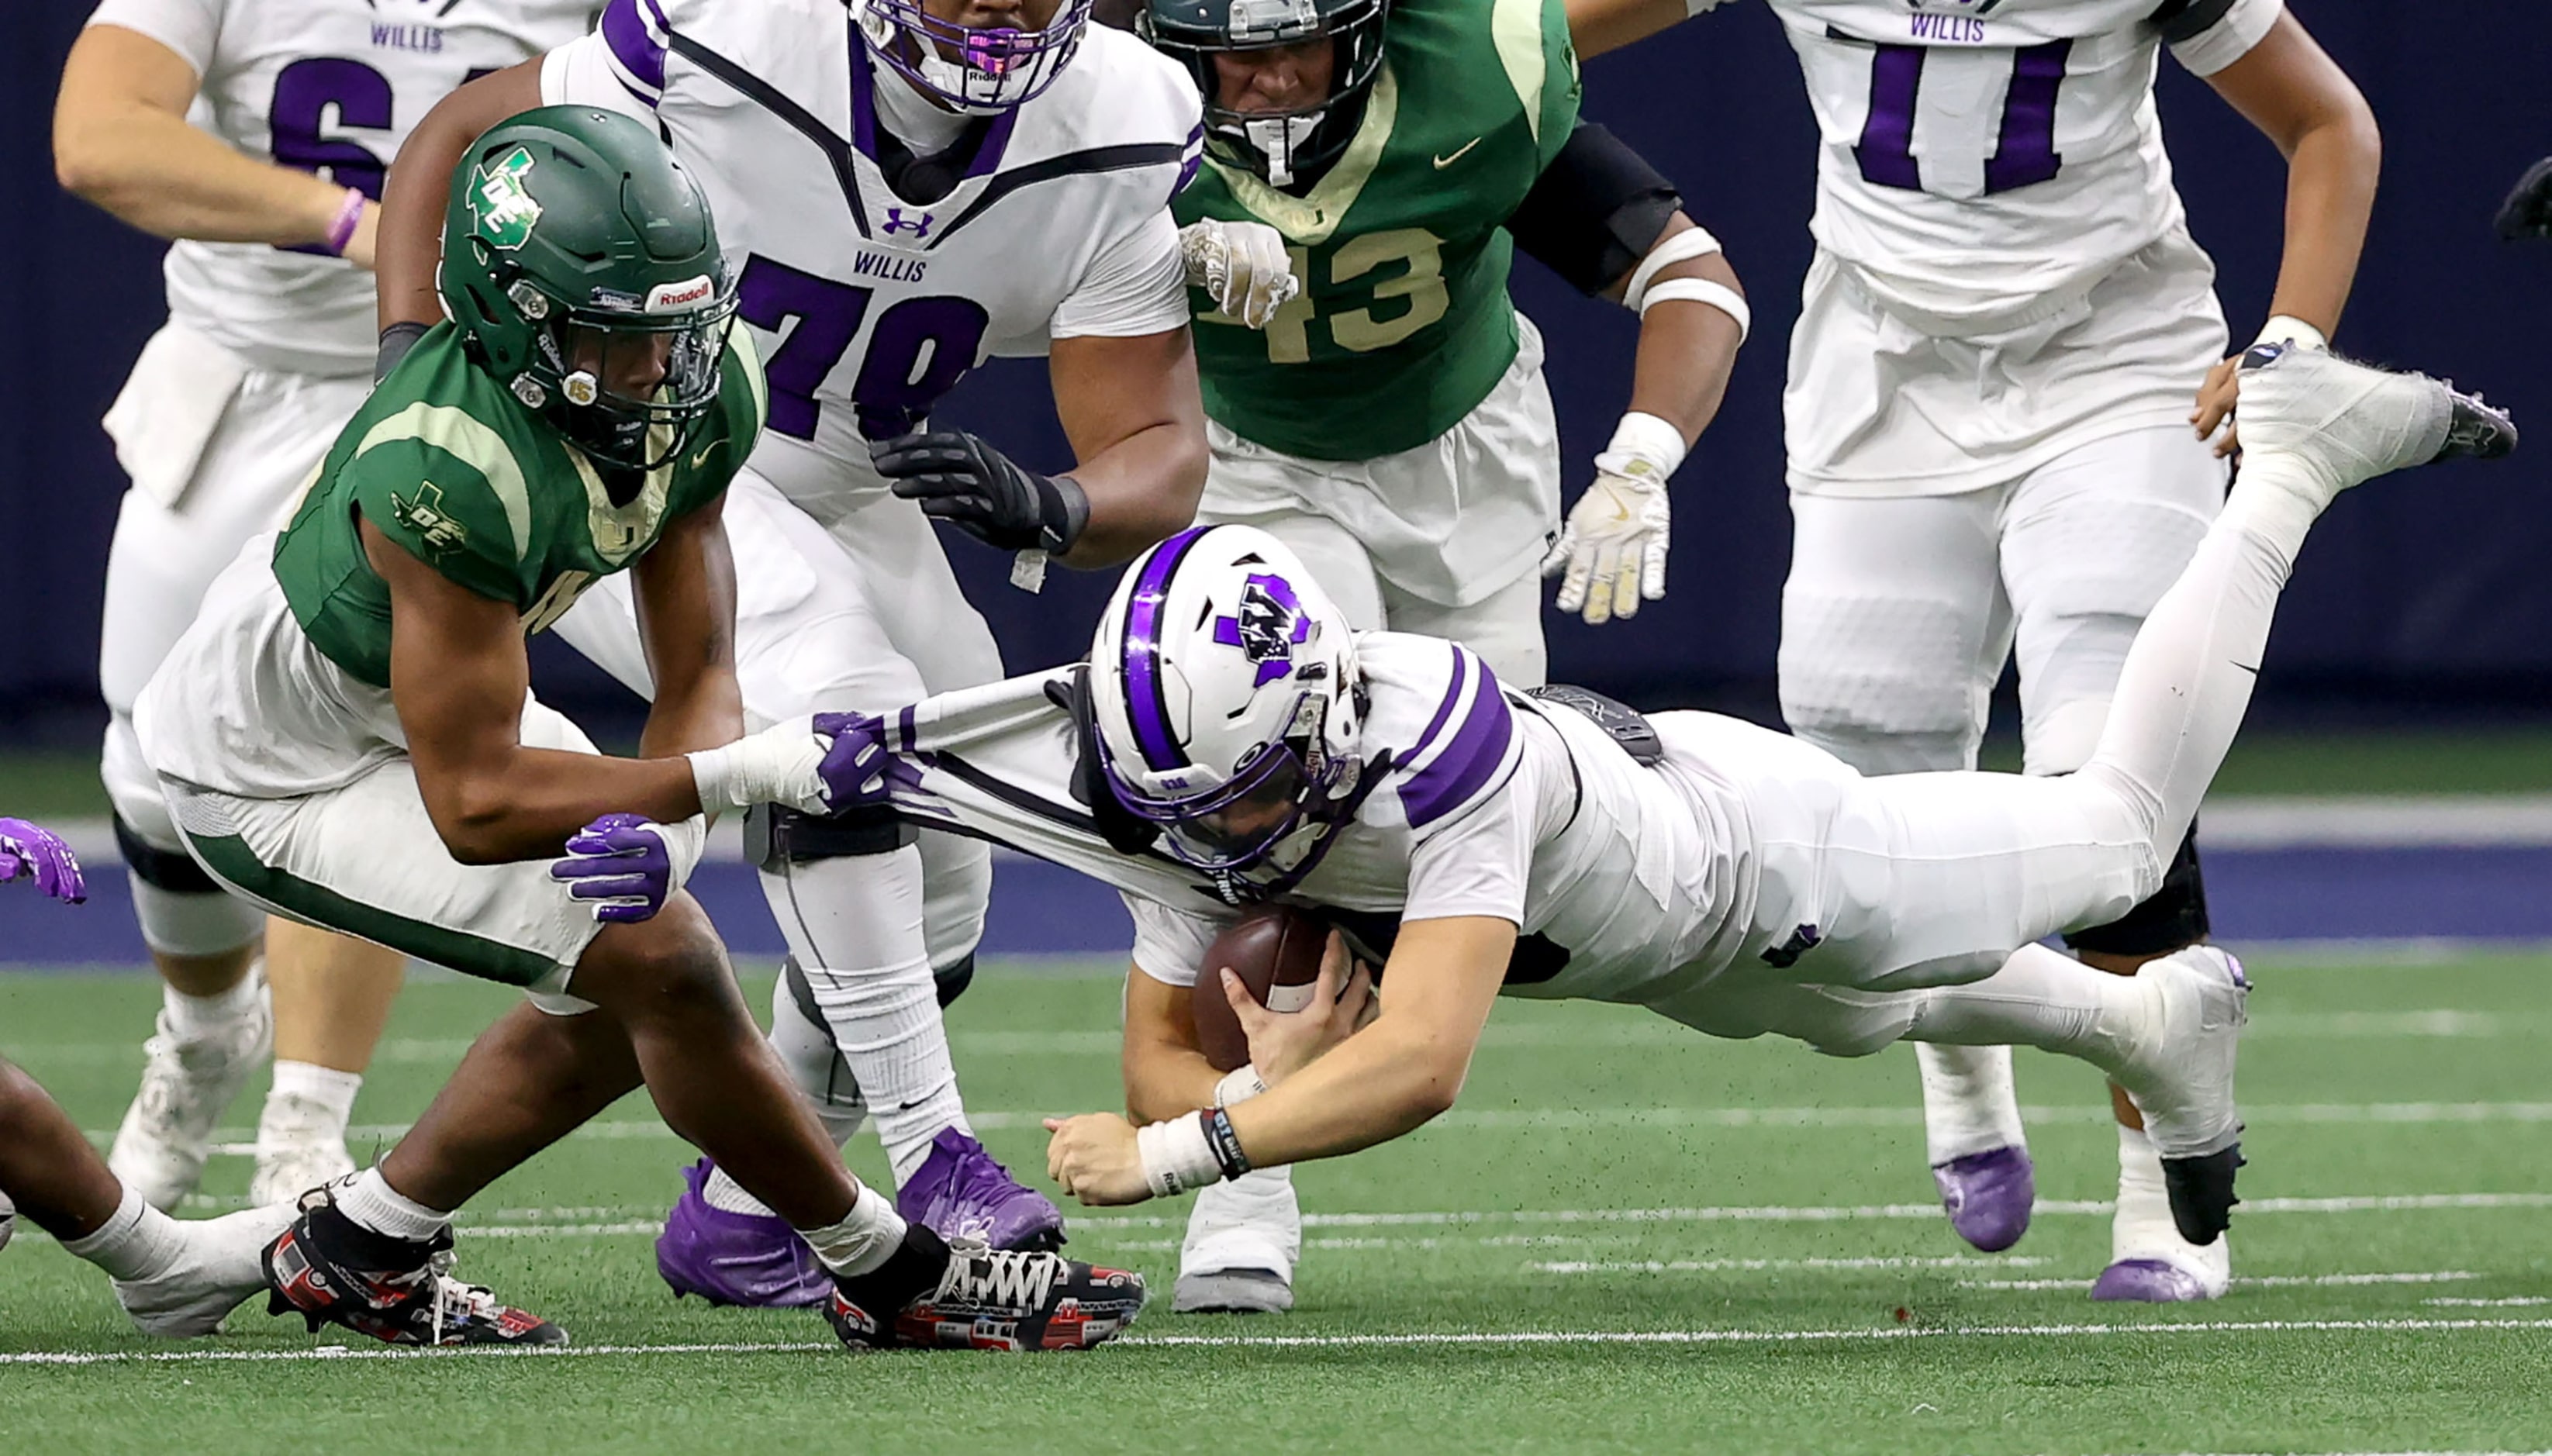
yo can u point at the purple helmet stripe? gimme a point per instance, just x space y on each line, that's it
639 53
1145 701
1468 761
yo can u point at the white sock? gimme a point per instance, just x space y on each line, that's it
1970 1104
2143 1225
325 1087
1254 1222
862 1242
368 1200
136 1240
2041 999
855 926
724 1192
190 1019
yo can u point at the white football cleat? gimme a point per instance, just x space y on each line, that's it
168 1132
2347 422
1232 1292
300 1144
2182 1079
221 1264
1243 1237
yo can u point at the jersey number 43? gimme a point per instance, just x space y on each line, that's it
1421 281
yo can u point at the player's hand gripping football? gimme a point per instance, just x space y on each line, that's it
1241 266
1612 554
35 849
1282 1043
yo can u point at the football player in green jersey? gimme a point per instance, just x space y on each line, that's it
347 737
1389 419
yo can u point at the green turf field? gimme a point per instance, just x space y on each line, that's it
1627 1237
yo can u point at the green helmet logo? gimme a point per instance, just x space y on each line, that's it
504 207
580 265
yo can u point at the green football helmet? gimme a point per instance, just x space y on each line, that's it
581 264
1286 148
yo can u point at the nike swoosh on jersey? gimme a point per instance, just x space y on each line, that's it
1443 162
706 451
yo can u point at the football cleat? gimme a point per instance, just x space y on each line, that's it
1232 1292
2348 422
1988 1195
987 1298
962 1192
186 1086
220 1264
332 1271
752 1260
2164 1281
2182 1082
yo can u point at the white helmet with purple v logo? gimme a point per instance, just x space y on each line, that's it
1225 685
979 69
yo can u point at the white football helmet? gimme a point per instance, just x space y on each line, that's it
977 71
1225 685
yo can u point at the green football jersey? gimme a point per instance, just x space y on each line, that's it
447 463
1403 325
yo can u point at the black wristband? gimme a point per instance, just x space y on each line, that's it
1067 514
396 341
1225 1143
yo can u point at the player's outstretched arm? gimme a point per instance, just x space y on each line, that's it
685 588
1385 1081
2289 87
459 676
122 141
1129 406
420 181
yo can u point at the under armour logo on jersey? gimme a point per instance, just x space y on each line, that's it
1268 625
897 222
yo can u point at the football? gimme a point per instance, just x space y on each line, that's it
1277 950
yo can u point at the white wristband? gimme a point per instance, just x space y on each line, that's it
1176 1156
1239 1086
2287 329
1643 448
1702 290
683 841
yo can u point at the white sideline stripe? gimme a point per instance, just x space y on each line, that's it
2517 1301
1724 1266
1339 1341
2256 1282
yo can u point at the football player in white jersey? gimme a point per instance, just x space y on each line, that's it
1988 423
1233 740
904 188
254 134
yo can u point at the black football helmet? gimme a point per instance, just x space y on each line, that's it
1286 148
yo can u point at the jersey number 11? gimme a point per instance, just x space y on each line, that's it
2025 145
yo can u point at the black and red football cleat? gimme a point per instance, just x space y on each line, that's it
962 1295
329 1270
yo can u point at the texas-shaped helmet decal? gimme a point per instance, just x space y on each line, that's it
1270 624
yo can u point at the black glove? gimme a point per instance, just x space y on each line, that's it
2527 212
966 482
396 341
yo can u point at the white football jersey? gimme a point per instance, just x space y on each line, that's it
1478 800
870 307
332 87
1983 162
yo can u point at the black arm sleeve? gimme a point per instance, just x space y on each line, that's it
1595 211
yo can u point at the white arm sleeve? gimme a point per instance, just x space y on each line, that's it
1169 945
1135 286
188 28
581 73
2210 35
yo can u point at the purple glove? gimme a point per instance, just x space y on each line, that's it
620 862
854 769
33 847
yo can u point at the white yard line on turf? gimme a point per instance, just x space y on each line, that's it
1359 1341
2256 1282
1723 1266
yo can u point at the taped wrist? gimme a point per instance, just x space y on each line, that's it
1644 448
1177 1155
779 764
1595 211
684 840
2287 329
1239 1086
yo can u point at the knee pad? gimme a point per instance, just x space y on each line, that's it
182 911
777 836
1889 687
952 979
2170 918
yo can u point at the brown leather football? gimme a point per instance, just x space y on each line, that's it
1277 950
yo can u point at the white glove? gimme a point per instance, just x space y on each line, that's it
1614 547
1242 266
780 764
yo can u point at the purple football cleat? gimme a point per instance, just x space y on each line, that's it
754 1260
2148 1282
960 1192
1988 1195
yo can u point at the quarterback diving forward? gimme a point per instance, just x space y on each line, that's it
346 736
903 188
1390 421
1990 427
1233 740
254 134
